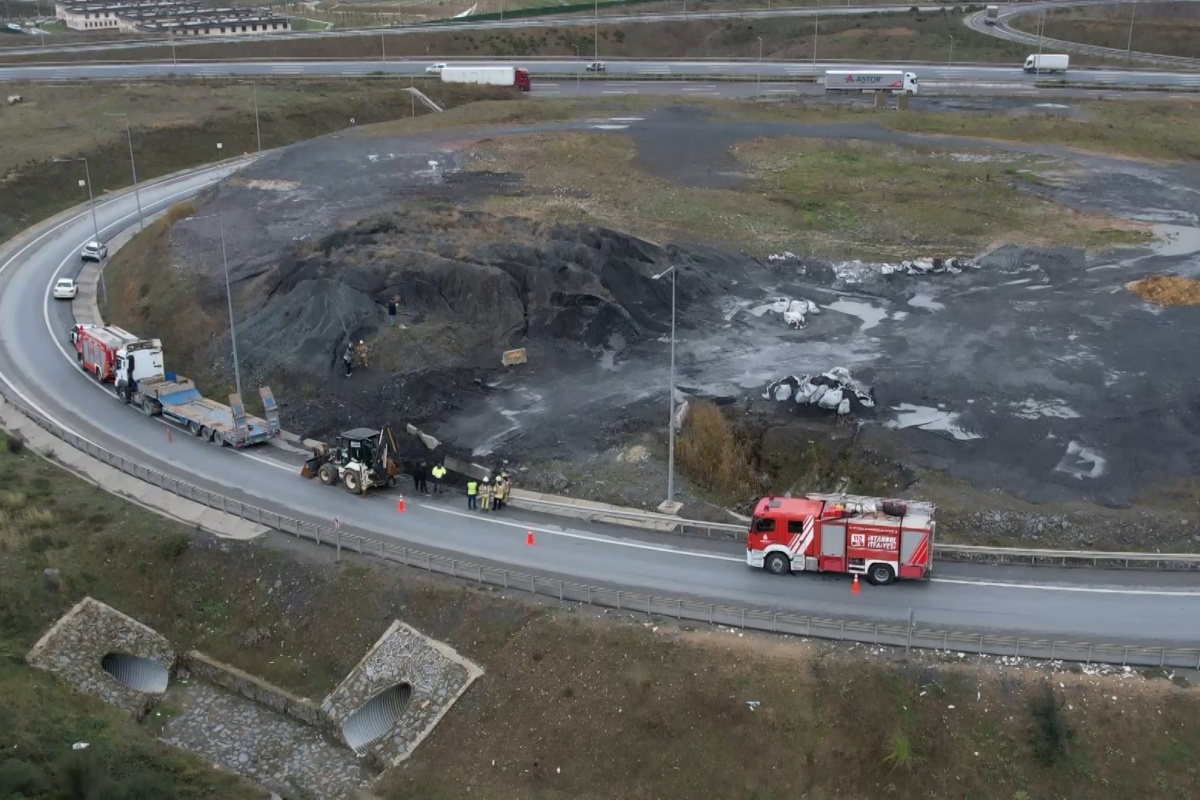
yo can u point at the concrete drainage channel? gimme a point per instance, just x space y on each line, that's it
372 721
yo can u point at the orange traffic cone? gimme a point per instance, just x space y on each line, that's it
168 433
400 505
529 537
854 586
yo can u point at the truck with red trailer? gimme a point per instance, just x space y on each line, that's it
881 540
134 367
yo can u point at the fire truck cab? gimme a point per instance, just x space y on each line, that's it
880 539
107 353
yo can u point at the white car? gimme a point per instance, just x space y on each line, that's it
435 69
65 289
94 251
597 66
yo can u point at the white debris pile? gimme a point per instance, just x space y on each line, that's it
858 271
786 255
795 312
834 390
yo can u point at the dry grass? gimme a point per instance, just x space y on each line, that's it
1168 290
833 199
710 454
1166 28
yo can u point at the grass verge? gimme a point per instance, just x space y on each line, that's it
1171 29
833 199
571 704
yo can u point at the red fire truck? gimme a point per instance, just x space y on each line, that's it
98 346
879 539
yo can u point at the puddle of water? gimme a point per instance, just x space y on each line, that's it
934 420
869 314
1176 240
925 301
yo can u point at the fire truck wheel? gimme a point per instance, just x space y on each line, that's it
778 564
880 574
96 374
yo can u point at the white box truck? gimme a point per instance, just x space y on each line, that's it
876 80
991 14
516 77
1047 63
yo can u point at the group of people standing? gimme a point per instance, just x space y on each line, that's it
423 473
487 495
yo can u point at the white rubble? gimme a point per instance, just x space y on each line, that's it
857 271
795 312
834 390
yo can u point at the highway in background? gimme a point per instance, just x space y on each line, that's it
981 76
37 366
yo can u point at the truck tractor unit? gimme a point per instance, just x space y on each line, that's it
874 80
882 540
134 368
361 460
515 77
991 15
1047 63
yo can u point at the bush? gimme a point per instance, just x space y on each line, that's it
22 779
180 211
76 775
1050 732
710 454
15 443
173 546
900 752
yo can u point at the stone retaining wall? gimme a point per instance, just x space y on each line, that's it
252 688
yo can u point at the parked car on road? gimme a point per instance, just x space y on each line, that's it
435 69
94 251
65 289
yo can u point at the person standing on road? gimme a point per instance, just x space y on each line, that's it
420 476
348 360
485 495
438 473
501 492
392 312
472 494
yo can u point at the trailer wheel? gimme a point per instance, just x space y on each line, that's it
880 574
194 428
328 474
778 564
352 482
206 434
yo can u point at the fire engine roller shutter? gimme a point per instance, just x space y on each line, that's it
833 539
911 542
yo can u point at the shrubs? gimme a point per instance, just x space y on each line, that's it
14 443
1050 733
710 453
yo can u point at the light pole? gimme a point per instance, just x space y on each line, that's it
578 68
596 29
1129 43
132 166
671 423
237 370
1041 32
950 60
816 33
757 92
257 128
87 174
382 48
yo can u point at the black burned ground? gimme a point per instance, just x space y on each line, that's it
1033 371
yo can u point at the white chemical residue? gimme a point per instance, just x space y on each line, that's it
610 127
1176 240
934 420
1081 461
1036 409
925 301
869 314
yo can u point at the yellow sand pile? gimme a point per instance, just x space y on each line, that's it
1168 290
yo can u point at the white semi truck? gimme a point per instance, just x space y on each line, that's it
1047 62
991 15
871 80
516 77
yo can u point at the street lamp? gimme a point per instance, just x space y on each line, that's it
95 225
759 81
671 423
1129 42
133 166
816 33
257 129
950 60
577 68
237 370
1041 33
596 28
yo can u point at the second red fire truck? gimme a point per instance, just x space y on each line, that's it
881 540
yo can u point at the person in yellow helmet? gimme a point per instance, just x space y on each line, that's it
485 495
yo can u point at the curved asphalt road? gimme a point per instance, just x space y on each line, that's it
1155 608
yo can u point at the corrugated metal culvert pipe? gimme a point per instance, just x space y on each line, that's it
139 674
376 718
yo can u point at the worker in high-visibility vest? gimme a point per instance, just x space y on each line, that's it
438 472
472 493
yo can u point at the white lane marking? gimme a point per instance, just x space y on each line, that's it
1053 588
583 536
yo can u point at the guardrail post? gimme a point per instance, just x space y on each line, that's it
842 630
710 613
908 643
533 584
743 619
359 539
338 534
1089 658
678 609
618 600
981 645
1018 652
1125 656
506 580
775 622
479 573
589 595
808 626
1197 660
649 600
945 640
560 590
317 534
1162 656
1052 643
453 567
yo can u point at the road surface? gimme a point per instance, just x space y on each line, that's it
37 365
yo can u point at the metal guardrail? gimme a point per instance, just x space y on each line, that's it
680 609
964 552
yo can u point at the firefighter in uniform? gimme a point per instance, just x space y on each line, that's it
361 352
485 495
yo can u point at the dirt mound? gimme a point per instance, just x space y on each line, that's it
1168 290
